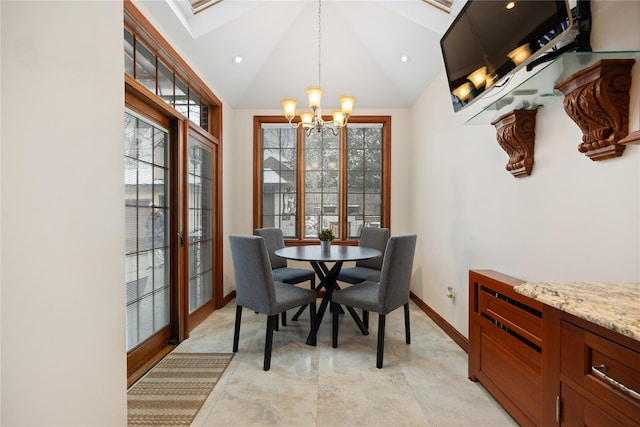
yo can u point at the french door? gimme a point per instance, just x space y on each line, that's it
172 249
202 220
149 256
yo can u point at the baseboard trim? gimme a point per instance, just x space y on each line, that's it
452 332
227 299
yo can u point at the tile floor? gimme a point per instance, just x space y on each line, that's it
421 384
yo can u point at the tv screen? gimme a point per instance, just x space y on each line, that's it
489 40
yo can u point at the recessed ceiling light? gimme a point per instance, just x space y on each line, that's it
236 59
510 4
405 58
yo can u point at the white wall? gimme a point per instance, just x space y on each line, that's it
62 310
571 220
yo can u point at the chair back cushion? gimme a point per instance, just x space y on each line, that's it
395 277
254 281
376 238
274 240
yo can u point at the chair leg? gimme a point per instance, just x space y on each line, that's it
272 323
236 331
365 318
284 318
334 335
407 328
380 355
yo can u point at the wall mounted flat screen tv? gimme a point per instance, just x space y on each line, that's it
489 41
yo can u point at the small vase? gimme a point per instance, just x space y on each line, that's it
325 246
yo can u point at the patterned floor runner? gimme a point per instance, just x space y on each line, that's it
173 392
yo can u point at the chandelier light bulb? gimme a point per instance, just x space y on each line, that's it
338 118
315 95
307 118
346 104
289 107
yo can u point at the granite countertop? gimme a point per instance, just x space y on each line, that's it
615 306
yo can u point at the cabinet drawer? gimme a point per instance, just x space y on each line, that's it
606 370
579 412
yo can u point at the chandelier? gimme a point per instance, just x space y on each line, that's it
311 120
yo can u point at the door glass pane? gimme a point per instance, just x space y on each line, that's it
200 224
146 227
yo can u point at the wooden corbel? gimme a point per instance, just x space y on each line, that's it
516 136
597 100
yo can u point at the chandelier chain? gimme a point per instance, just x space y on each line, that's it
319 41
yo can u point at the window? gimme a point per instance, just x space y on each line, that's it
305 183
148 69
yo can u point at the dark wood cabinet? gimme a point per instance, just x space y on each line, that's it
594 378
545 366
505 344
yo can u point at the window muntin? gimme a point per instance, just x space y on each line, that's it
342 181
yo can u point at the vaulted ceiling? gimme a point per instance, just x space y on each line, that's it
361 45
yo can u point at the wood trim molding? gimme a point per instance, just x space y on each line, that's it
452 332
597 100
516 136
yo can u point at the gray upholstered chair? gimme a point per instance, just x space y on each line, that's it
367 269
385 296
256 289
274 240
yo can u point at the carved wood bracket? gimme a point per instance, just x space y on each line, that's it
597 100
516 136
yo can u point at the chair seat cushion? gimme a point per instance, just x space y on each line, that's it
363 296
288 297
359 274
292 275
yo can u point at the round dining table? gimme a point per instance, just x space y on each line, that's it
318 258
